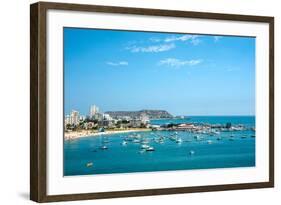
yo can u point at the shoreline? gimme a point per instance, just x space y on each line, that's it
81 134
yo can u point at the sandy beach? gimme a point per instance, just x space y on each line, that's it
86 133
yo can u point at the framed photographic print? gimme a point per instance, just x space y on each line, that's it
134 102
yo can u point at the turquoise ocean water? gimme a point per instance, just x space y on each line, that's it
169 155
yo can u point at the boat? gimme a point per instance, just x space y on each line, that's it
124 143
144 146
191 152
219 138
136 141
150 149
253 136
103 147
209 141
243 137
198 138
89 164
179 140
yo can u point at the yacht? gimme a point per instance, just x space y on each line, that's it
144 146
89 164
124 143
150 149
103 147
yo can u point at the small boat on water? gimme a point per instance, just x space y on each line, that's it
179 140
209 141
124 143
150 149
144 146
219 138
198 138
253 136
89 164
103 147
244 136
191 152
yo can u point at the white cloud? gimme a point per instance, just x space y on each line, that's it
193 39
151 48
173 62
120 63
217 38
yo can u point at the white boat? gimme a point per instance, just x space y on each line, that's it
209 141
103 147
89 164
179 141
150 149
124 143
191 152
144 146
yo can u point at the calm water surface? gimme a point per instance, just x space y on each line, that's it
118 158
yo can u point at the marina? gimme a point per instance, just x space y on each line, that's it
164 150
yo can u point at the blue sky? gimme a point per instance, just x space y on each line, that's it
182 73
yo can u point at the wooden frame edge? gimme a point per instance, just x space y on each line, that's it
37 102
38 112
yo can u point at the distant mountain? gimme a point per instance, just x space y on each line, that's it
152 114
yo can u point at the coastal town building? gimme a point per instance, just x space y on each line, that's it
94 110
82 118
107 117
74 117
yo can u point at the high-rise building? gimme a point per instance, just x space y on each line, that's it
74 117
67 120
94 110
